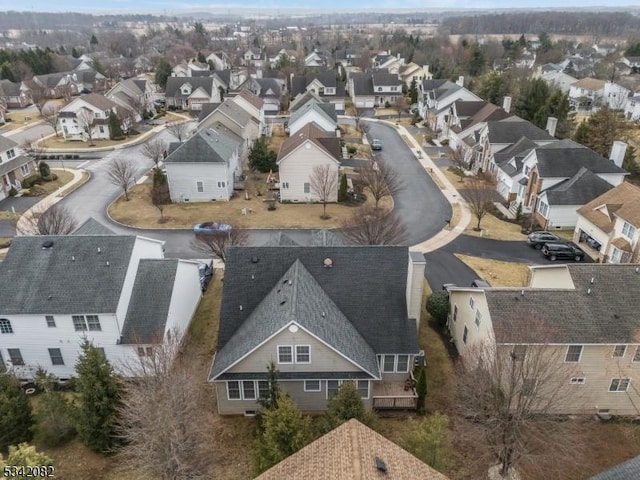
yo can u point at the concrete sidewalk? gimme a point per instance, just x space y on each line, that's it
448 234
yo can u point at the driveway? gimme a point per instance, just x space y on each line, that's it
420 204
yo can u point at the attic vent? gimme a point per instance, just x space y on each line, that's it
284 282
380 465
283 302
327 263
47 244
255 259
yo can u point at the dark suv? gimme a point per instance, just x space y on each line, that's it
537 239
566 251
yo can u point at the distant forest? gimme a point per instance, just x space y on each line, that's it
68 20
568 23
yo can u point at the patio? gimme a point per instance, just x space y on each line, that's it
393 396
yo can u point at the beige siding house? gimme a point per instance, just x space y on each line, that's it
309 148
323 316
578 315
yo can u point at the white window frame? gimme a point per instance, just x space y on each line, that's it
309 354
24 169
5 326
628 230
222 184
397 363
11 153
478 318
93 323
368 388
58 357
567 354
636 355
455 312
290 347
577 381
472 303
620 381
199 186
616 354
237 382
253 385
306 187
81 325
340 382
307 389
258 389
21 362
51 321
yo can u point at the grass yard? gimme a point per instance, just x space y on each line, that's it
48 188
277 137
140 212
349 131
456 215
493 227
59 143
452 177
498 273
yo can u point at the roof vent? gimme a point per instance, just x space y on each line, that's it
522 293
290 282
283 302
240 307
327 263
588 291
324 314
380 465
107 263
253 277
99 250
47 244
255 259
637 269
284 282
73 258
593 279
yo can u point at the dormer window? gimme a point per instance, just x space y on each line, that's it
379 89
11 153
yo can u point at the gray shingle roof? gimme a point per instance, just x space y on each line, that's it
150 299
520 149
211 145
71 277
362 84
174 83
598 312
327 78
327 110
9 88
511 130
566 157
14 164
92 227
366 284
583 187
384 78
297 297
6 143
629 470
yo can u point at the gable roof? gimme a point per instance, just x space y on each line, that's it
77 274
589 84
349 452
297 297
330 144
362 84
99 101
326 110
583 187
301 100
150 300
629 470
623 201
327 78
209 145
511 129
518 150
6 143
174 83
92 227
483 112
9 88
598 312
252 98
565 157
374 303
383 77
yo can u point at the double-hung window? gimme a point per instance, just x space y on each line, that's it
285 354
303 354
619 384
15 356
574 352
56 356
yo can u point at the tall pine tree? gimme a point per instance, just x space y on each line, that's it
98 395
16 417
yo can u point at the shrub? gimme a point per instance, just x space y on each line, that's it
421 390
438 306
54 425
352 150
13 192
44 169
54 177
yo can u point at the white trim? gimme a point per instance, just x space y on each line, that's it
636 354
354 380
319 386
628 379
368 388
227 382
296 354
290 352
567 352
624 352
577 380
255 389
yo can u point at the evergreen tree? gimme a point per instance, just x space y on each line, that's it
345 405
6 73
478 60
581 133
421 390
438 306
98 394
54 425
16 417
201 58
285 431
271 400
493 88
261 158
413 91
94 41
532 103
630 163
430 441
343 189
75 53
115 130
162 72
603 128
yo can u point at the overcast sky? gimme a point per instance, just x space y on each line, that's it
175 6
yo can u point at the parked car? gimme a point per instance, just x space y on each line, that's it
211 228
206 274
566 251
537 239
376 144
479 283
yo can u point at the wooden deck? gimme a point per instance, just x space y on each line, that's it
393 396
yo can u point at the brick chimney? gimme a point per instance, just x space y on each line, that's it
618 150
506 104
552 123
415 283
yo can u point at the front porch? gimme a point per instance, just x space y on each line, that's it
398 395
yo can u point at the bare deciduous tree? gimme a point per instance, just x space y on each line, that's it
324 184
372 226
400 105
50 116
512 394
161 415
160 197
457 157
178 129
155 150
479 196
34 147
380 179
55 220
216 244
121 173
39 95
85 121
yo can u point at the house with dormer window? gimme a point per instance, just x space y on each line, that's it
14 166
75 125
324 316
191 93
325 84
117 291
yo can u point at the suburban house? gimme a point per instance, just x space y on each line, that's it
360 87
190 93
323 115
576 315
299 155
632 62
632 108
143 298
205 167
559 79
412 71
586 93
14 166
317 58
283 55
134 94
189 69
508 168
610 224
325 84
466 118
219 61
392 63
615 95
90 111
374 89
562 176
16 94
346 57
270 90
253 57
352 451
435 97
323 316
66 84
302 99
